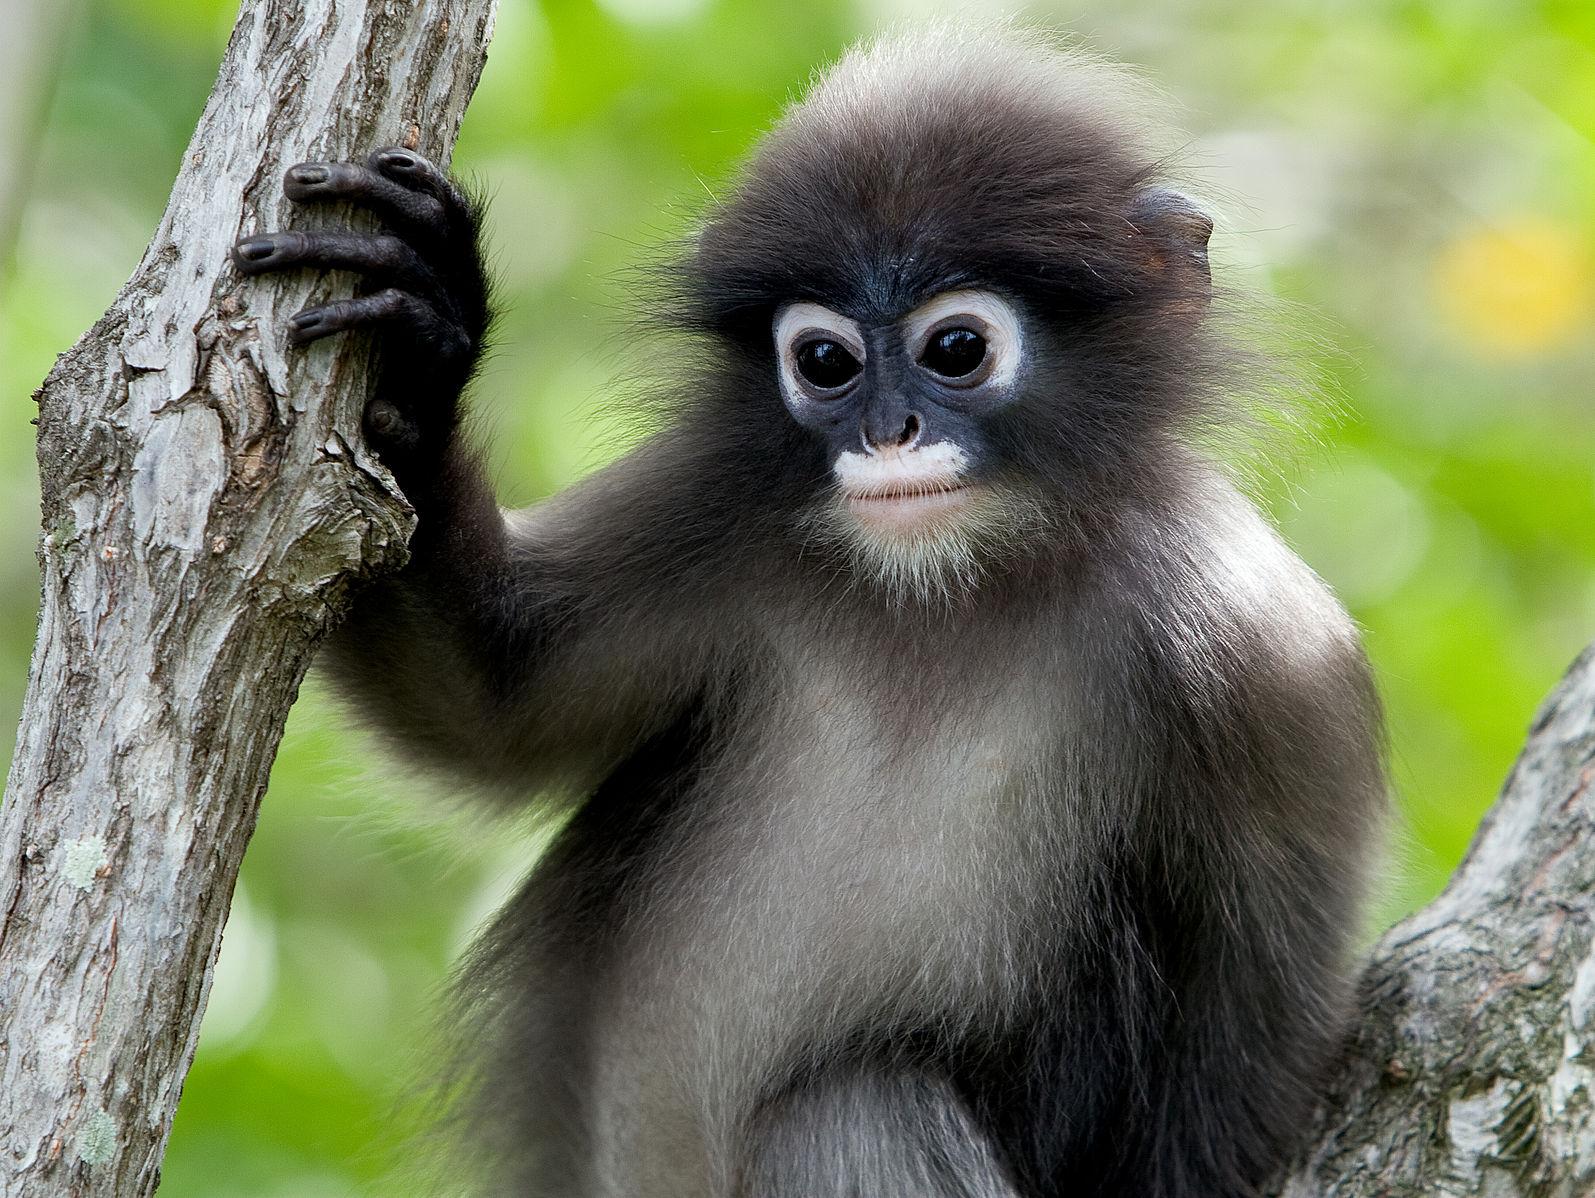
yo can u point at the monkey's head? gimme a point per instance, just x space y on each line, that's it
965 316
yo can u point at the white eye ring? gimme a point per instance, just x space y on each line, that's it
982 311
799 323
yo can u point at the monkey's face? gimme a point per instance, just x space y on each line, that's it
902 404
984 316
899 403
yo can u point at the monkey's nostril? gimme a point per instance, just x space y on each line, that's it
910 432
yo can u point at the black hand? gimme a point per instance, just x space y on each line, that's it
424 292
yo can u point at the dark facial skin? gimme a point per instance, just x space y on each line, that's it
894 381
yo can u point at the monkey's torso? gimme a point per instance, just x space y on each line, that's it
859 852
878 841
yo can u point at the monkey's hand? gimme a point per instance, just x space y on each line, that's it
423 292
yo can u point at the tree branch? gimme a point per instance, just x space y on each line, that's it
207 507
1472 1071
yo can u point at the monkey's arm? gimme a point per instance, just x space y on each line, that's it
1256 765
533 647
521 650
491 655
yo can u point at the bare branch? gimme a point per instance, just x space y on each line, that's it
207 508
1472 1072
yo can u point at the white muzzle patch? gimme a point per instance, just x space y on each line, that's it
901 474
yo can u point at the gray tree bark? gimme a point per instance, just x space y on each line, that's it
207 508
1472 1070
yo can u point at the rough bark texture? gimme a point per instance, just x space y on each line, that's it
206 510
1472 1072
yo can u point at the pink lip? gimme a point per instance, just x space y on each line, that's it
908 505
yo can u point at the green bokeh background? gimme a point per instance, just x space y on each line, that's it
1418 176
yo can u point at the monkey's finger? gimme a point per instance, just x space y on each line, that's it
391 201
396 309
379 254
389 306
409 169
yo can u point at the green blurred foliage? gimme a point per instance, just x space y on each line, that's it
1415 174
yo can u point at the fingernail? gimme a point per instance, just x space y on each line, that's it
303 320
308 173
397 158
255 248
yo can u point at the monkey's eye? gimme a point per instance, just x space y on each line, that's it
819 355
970 341
826 364
954 353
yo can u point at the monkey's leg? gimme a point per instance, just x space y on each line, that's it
857 1132
1240 1061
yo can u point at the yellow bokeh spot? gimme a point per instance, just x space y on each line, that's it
1523 287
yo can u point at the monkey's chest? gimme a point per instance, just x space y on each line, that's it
858 858
886 846
847 864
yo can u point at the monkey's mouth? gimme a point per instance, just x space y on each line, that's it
909 503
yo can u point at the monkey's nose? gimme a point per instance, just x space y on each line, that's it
889 438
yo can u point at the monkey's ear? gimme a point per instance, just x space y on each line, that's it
1176 229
